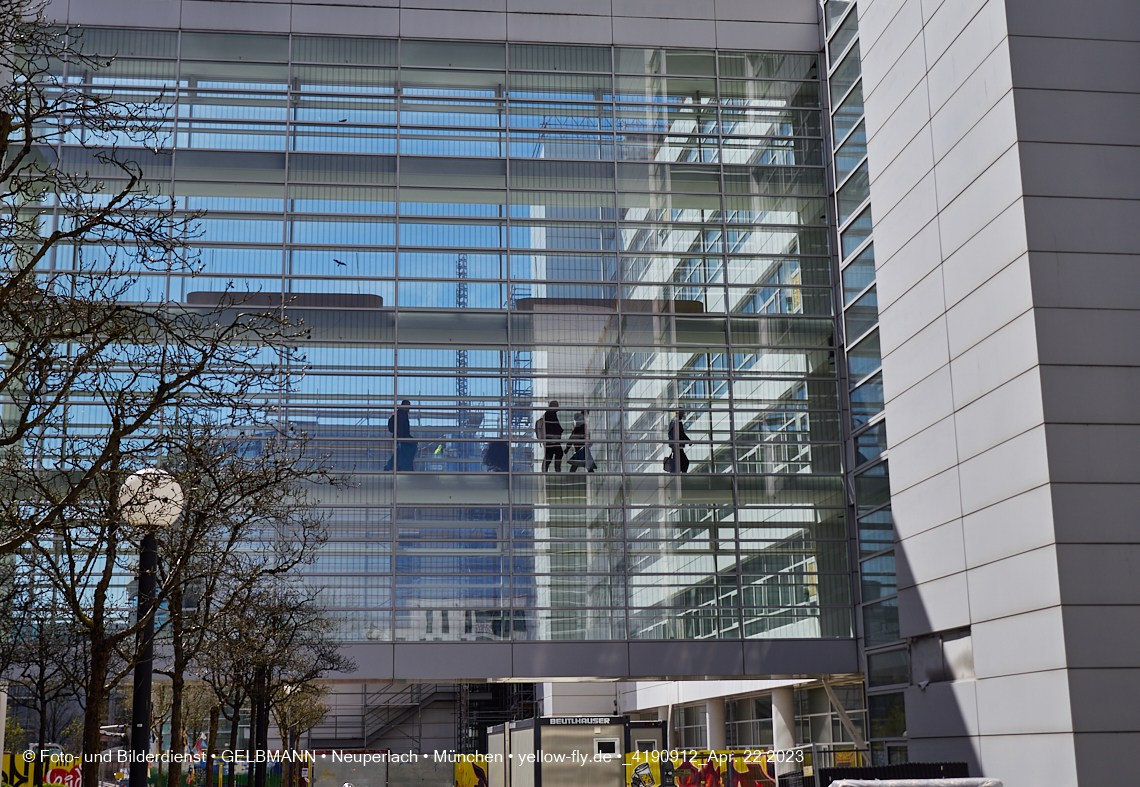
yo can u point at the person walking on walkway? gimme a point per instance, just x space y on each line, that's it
578 444
678 461
400 425
548 429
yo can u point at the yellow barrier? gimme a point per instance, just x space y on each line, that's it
62 770
471 774
692 768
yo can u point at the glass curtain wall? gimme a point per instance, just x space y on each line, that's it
471 231
871 478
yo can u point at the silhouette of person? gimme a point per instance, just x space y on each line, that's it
549 431
679 460
578 444
497 456
400 425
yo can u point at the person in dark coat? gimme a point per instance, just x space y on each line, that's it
550 433
400 425
497 456
578 444
677 438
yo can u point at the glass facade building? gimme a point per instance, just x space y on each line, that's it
479 229
635 209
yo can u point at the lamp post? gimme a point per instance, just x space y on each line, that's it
149 499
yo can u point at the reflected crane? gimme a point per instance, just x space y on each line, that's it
461 355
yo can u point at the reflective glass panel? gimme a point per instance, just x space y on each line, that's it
566 314
842 36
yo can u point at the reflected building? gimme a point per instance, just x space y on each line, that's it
481 227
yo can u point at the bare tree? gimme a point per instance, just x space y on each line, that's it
161 703
248 519
96 365
100 376
94 356
45 651
197 702
15 737
277 643
297 709
297 647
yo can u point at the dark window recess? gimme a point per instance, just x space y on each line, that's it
881 621
851 153
941 657
888 669
845 75
878 577
857 232
853 192
888 715
848 114
865 357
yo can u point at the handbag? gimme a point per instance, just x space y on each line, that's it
579 457
667 465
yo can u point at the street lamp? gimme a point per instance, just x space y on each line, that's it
149 499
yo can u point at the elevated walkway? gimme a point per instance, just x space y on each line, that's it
622 660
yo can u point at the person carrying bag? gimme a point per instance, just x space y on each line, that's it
677 438
579 443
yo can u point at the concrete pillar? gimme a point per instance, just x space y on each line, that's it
783 724
664 713
714 723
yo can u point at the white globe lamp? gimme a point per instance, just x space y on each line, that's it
151 498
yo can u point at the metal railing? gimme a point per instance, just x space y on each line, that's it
817 756
360 723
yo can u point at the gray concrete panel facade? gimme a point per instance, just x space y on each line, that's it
781 25
1001 136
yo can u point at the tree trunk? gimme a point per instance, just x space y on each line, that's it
261 711
93 712
232 775
174 769
43 712
177 682
41 766
211 744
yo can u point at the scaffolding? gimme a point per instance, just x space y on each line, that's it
483 705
